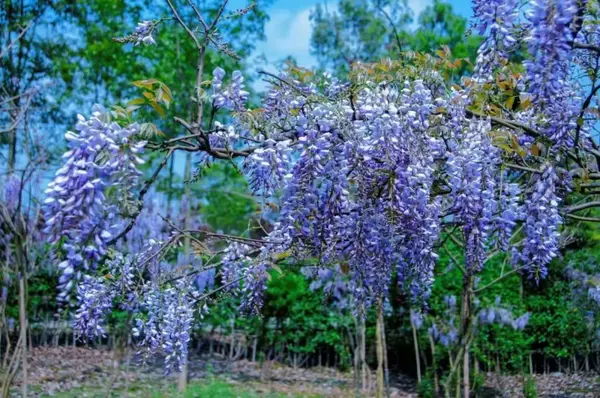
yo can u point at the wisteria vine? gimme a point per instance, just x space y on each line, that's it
369 175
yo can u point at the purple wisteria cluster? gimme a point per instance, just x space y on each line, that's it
231 97
443 328
472 169
78 213
359 179
368 175
549 43
495 20
502 315
166 322
333 284
141 35
542 224
161 297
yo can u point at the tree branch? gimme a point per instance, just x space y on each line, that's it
183 25
585 46
140 198
498 279
582 206
582 218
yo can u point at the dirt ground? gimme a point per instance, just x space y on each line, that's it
60 370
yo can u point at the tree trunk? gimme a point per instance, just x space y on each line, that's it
12 148
363 354
530 363
416 345
545 365
447 389
356 352
23 319
466 319
183 376
467 386
436 381
231 348
379 345
386 367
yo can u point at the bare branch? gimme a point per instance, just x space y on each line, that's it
262 72
523 168
6 49
582 218
199 16
582 206
219 13
585 46
498 279
140 198
180 21
506 123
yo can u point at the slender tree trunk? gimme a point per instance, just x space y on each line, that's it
356 352
386 367
128 359
363 354
530 363
379 345
467 386
466 319
12 142
13 365
416 346
231 348
23 319
447 389
183 376
545 365
436 381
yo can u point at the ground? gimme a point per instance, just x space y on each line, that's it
86 372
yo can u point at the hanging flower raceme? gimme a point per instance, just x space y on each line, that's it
95 303
471 171
495 20
164 321
502 315
509 213
231 97
141 35
549 43
542 225
102 155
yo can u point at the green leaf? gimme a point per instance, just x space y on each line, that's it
145 83
137 101
159 109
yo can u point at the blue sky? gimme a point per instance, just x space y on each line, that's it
288 30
